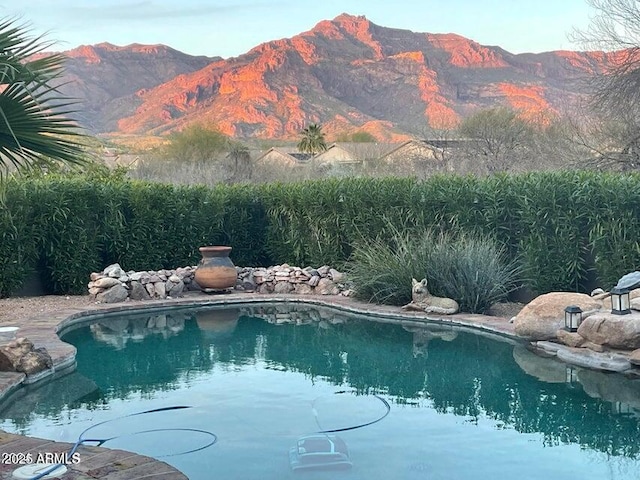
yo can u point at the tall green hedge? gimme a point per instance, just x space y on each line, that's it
571 229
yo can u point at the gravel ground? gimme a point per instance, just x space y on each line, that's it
17 309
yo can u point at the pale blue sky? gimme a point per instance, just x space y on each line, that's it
232 27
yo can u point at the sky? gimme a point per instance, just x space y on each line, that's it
232 27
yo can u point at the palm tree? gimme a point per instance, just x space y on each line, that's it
34 125
312 140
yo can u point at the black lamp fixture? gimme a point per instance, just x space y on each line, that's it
572 318
620 303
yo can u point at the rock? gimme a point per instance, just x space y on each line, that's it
248 286
612 362
571 339
634 358
95 276
630 281
11 353
541 318
160 289
314 280
336 276
326 287
135 276
123 278
324 270
138 292
95 290
106 282
597 291
176 289
303 289
265 288
593 346
20 356
35 361
115 294
113 271
283 287
150 289
615 331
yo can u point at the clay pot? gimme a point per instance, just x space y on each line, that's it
215 270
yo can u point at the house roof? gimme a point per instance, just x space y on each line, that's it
359 151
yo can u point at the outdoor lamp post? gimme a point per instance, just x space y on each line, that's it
620 303
572 318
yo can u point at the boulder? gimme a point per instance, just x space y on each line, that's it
634 358
138 292
283 287
106 282
114 271
160 289
571 339
20 356
175 289
611 362
35 361
326 287
541 318
336 276
303 289
115 294
615 331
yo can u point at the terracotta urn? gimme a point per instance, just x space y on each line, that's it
215 270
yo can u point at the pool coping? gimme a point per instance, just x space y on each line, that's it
44 330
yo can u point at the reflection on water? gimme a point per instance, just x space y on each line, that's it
416 368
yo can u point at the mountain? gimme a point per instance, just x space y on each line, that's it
347 74
106 78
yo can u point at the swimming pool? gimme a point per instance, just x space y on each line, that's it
260 379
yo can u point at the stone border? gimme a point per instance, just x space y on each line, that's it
44 329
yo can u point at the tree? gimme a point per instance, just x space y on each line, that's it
312 140
615 97
35 127
497 136
240 159
195 143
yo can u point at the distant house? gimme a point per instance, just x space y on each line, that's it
413 150
284 156
346 153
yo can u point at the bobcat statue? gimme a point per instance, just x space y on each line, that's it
425 302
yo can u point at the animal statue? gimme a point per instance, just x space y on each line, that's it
423 301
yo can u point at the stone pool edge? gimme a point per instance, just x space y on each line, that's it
44 329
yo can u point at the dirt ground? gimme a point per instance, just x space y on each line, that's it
17 309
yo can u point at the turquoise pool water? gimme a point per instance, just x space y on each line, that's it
462 406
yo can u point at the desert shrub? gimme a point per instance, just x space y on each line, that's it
382 269
470 268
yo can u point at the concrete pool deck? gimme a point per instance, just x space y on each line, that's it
43 328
